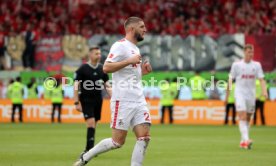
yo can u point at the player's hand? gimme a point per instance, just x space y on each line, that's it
136 59
146 68
78 107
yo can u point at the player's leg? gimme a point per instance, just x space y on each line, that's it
242 115
250 109
105 145
142 132
141 123
250 104
88 109
243 125
119 132
90 134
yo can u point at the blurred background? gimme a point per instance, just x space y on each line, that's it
47 38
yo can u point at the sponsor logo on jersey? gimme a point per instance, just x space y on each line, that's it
248 76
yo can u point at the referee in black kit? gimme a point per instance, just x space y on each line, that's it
90 80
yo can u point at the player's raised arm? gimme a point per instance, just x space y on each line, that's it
112 66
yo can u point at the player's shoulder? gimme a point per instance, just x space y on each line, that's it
100 65
120 42
82 67
236 63
256 63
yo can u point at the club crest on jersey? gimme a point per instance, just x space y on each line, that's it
121 123
110 56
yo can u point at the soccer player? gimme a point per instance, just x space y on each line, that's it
128 104
88 99
245 72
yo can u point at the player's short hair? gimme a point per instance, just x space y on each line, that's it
248 46
94 48
131 20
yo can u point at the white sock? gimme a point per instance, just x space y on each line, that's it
103 146
243 130
139 151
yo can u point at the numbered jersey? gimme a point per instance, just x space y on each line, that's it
126 82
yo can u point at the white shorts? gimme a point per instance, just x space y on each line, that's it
243 104
125 115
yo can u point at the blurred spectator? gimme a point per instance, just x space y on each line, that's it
230 103
169 93
214 91
2 48
57 98
162 17
16 93
197 86
259 106
28 54
32 89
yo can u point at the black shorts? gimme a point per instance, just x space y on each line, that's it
91 109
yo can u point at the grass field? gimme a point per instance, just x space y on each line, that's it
171 145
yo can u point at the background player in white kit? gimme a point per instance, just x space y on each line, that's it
245 72
128 104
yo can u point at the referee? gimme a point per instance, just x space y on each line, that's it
90 80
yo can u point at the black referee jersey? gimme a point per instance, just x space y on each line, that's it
91 81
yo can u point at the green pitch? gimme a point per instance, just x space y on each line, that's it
171 145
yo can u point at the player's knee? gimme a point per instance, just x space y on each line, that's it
117 145
145 138
91 122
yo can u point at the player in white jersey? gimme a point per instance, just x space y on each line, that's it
245 73
128 104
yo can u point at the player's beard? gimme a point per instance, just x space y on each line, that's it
138 37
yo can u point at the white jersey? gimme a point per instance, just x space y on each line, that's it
126 82
245 75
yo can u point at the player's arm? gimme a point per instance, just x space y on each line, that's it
263 86
260 75
111 67
76 95
108 88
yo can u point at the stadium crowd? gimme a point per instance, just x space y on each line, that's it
161 17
